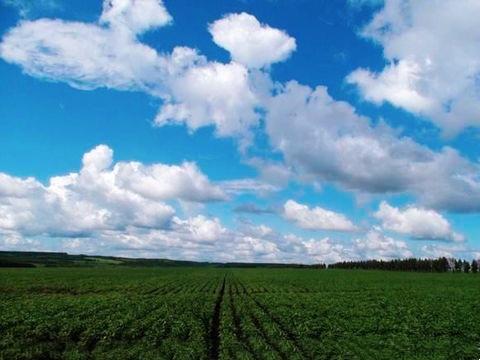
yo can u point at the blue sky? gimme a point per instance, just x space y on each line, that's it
299 131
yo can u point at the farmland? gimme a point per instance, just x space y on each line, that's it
227 313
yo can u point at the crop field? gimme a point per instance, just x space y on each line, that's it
218 313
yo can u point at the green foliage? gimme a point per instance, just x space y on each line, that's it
474 266
116 312
412 264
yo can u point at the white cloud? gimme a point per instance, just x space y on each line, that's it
194 91
450 250
325 251
16 187
101 197
434 251
320 139
85 56
201 238
136 15
98 159
325 140
394 83
417 222
251 43
211 93
432 53
13 241
200 229
316 218
194 238
197 238
90 55
158 181
260 241
375 245
126 208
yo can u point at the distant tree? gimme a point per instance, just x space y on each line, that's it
412 264
458 265
474 266
442 265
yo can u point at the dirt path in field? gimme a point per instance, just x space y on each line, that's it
215 327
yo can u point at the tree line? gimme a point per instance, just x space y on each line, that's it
441 264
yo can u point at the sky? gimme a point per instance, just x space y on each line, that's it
306 131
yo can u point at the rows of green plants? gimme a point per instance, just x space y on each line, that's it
356 315
155 313
148 314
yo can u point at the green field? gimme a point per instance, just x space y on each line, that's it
210 313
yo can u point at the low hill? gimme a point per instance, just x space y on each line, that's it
61 259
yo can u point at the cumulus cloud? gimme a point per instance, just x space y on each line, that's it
202 238
158 181
435 251
136 15
325 140
206 239
320 139
211 94
16 187
273 246
97 211
194 238
452 250
251 43
13 241
394 84
101 196
199 229
293 248
432 53
108 53
417 222
127 208
194 91
129 204
88 55
316 218
58 50
325 251
375 245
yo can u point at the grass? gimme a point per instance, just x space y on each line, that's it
208 313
